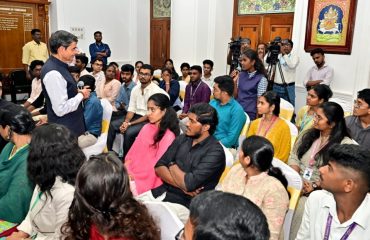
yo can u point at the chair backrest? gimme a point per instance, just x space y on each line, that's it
243 133
182 89
347 106
19 77
100 145
286 109
168 222
294 188
293 131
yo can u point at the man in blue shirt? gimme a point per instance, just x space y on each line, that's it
99 49
123 99
93 114
231 116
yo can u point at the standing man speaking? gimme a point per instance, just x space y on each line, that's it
63 98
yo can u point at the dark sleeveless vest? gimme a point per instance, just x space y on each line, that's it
74 121
247 93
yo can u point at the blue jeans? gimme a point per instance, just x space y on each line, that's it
280 90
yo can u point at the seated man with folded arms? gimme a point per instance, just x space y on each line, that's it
231 116
93 114
341 210
358 125
192 164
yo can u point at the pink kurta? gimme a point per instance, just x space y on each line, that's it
142 157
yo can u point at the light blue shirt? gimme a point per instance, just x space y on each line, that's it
231 120
124 94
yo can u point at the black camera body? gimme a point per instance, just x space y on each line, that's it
235 53
274 51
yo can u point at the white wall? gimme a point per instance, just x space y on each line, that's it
125 25
351 72
201 30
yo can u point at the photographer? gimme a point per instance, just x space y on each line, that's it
236 47
284 73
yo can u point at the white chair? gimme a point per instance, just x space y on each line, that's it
100 145
286 109
168 222
243 133
347 106
182 89
228 156
293 131
294 188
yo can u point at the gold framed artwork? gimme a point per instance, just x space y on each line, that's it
330 25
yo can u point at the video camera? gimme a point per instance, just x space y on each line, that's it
235 53
273 52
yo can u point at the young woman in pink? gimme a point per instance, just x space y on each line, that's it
152 142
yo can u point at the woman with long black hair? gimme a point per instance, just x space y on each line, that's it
152 142
250 82
256 179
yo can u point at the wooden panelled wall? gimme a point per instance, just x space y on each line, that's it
262 27
17 19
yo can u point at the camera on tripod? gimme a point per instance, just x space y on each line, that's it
235 46
274 51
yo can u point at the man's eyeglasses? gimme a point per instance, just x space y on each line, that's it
180 235
144 74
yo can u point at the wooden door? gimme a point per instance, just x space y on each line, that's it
262 27
159 35
17 19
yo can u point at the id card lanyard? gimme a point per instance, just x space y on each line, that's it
328 228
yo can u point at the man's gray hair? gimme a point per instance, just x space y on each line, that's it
61 38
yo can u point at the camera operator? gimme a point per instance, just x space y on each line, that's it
236 47
284 74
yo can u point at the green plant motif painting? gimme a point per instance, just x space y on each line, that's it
161 8
265 6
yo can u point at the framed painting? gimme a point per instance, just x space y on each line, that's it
330 25
161 8
247 7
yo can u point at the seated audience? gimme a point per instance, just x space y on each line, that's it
93 114
171 86
106 209
53 163
271 126
231 116
185 67
341 210
110 88
358 125
250 83
81 63
306 157
36 98
256 179
16 125
192 164
123 99
138 65
152 142
169 64
75 71
207 73
317 95
224 216
136 117
98 73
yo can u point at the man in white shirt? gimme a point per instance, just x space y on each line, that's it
98 73
63 98
284 82
321 73
341 210
136 116
36 98
81 63
207 73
